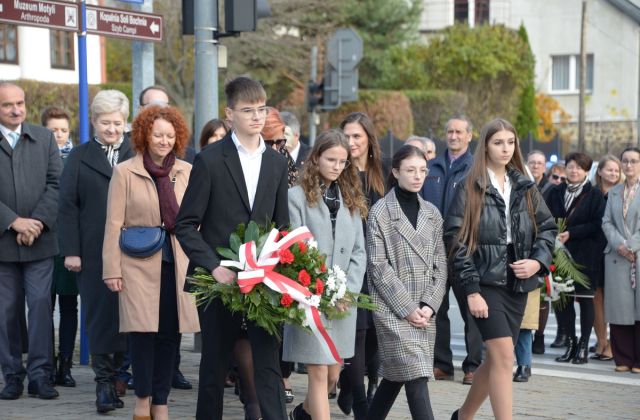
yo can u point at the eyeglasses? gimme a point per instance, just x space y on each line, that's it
341 163
630 162
248 113
556 177
278 142
413 172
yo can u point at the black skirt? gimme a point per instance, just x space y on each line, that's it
506 307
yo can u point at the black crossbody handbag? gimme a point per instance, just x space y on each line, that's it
142 241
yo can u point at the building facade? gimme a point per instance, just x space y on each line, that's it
554 27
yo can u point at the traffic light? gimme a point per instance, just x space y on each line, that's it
314 95
240 15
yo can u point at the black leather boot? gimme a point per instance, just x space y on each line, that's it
538 344
582 352
571 351
562 340
117 402
104 397
63 376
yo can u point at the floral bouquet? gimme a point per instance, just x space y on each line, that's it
565 273
282 277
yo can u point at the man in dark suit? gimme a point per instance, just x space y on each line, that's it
297 149
234 181
30 167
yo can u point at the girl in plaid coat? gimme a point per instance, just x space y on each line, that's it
407 272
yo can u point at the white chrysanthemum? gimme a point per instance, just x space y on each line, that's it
312 243
331 284
341 291
314 300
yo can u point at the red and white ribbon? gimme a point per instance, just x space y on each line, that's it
260 270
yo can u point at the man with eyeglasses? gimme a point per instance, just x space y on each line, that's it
235 180
445 173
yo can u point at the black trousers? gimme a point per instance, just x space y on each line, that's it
68 306
105 366
352 376
153 354
220 330
417 398
567 316
443 356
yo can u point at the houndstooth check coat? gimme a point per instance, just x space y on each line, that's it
406 267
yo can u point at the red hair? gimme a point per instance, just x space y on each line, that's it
143 124
273 126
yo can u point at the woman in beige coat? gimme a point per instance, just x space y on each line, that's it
147 191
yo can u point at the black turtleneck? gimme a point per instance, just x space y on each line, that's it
409 204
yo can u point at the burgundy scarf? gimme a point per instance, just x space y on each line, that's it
167 197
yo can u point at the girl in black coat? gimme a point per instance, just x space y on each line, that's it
500 235
582 206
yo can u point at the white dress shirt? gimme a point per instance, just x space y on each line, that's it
251 163
5 132
295 152
506 196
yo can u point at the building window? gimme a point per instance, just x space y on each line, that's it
8 44
62 52
482 12
461 11
565 73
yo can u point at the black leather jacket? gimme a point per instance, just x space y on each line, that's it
487 265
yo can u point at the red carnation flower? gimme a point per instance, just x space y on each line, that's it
302 246
323 268
304 278
286 300
286 256
552 268
319 287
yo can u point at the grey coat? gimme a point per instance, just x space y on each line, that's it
346 251
621 302
29 177
407 267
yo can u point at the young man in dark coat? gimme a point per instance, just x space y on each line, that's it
30 167
233 181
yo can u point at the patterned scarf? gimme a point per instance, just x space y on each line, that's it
66 149
292 171
331 198
573 191
111 150
167 197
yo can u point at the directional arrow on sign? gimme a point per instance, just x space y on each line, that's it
154 27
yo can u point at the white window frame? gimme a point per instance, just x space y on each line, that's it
573 80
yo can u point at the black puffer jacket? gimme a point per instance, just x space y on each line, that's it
488 264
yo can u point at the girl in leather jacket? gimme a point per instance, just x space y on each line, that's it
497 262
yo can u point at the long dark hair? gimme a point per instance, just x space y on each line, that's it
403 153
209 130
374 177
475 191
